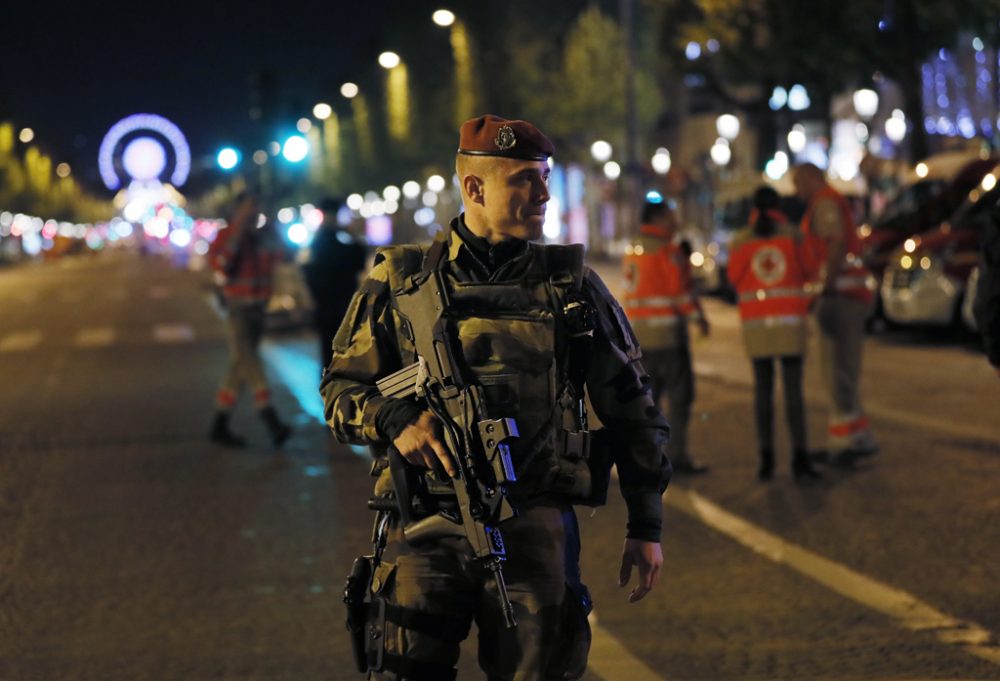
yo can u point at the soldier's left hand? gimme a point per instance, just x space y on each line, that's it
648 557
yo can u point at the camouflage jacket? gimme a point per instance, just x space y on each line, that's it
369 345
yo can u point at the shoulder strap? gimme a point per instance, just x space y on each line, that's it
401 262
565 264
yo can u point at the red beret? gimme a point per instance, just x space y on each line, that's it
494 136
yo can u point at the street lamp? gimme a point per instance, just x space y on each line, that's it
661 161
27 134
228 158
322 111
865 103
612 170
62 170
349 90
720 152
798 98
601 151
895 126
728 126
295 149
797 139
443 18
388 60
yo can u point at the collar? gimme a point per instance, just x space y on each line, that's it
464 245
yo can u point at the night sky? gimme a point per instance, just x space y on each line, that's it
71 70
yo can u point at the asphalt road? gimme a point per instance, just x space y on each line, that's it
130 548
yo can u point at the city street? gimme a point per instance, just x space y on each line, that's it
131 548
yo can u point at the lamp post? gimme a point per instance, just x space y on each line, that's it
397 96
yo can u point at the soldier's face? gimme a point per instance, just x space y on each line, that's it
516 194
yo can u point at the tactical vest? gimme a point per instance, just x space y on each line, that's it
516 340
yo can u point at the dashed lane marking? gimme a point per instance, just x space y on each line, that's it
173 333
94 337
19 341
909 611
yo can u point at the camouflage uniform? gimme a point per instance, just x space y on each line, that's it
437 578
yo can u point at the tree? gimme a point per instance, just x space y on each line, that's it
826 45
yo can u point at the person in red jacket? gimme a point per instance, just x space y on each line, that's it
243 256
660 300
847 294
769 268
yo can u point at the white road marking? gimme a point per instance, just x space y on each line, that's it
612 661
19 341
95 337
908 610
173 333
922 421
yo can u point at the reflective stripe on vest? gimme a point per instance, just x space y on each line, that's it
770 321
771 293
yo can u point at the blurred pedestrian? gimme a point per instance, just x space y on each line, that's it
335 260
988 291
244 254
659 300
844 303
769 267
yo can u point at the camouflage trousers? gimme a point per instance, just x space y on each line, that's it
440 579
245 328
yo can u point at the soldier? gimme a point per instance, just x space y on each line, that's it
660 300
532 327
844 304
244 257
768 268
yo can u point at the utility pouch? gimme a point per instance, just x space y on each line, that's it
356 598
583 473
599 462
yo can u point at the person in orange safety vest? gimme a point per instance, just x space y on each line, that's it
769 267
243 257
847 293
659 301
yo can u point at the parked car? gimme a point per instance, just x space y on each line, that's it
934 189
928 278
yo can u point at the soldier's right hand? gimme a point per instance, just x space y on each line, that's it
420 444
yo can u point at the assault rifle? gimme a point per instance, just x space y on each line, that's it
478 444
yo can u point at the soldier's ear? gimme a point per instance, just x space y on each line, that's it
473 186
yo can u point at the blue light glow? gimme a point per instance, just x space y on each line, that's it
779 97
692 51
653 196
